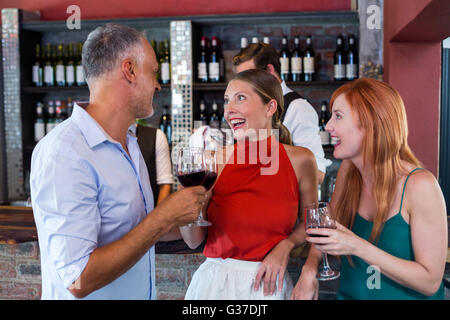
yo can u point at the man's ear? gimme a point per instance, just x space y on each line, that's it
271 69
127 67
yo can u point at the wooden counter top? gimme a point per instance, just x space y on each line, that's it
17 224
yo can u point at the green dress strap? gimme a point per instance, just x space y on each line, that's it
404 187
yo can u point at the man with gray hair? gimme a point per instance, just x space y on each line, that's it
90 189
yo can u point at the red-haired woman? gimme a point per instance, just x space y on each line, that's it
391 212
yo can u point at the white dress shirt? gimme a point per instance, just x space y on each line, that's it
162 158
302 121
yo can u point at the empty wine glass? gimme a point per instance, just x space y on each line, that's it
319 216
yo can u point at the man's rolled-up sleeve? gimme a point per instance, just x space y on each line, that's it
64 195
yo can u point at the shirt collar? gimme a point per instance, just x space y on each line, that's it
285 88
91 129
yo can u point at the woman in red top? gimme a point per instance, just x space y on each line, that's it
255 206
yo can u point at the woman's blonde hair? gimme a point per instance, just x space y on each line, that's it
382 116
267 87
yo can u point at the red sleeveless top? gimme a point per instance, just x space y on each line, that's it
254 204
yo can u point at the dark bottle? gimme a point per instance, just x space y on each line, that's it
202 65
323 119
51 120
60 110
69 106
49 78
352 59
165 63
296 61
37 69
70 66
79 67
308 60
202 117
221 62
285 55
60 70
166 124
339 59
214 62
39 124
214 120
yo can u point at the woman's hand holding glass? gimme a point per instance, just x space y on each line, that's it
319 217
337 242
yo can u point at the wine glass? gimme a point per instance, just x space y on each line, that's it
191 170
319 216
210 159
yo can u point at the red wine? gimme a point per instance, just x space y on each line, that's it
192 179
209 180
319 235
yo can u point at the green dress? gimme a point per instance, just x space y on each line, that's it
362 281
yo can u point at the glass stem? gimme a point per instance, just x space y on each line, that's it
326 266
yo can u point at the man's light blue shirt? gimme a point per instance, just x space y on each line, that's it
87 192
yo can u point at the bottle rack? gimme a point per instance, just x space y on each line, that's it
324 27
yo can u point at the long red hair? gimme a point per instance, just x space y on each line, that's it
382 116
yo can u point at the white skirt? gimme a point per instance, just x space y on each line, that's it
231 279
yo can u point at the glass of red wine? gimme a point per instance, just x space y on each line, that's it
319 216
196 167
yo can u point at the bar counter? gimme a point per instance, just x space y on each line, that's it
20 273
17 226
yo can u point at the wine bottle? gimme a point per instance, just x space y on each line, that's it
37 68
70 66
296 61
79 67
214 62
284 60
50 124
323 119
49 79
60 69
308 60
69 106
165 63
202 73
202 116
352 59
166 124
214 121
339 60
39 123
244 43
60 112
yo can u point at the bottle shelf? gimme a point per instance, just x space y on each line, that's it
223 85
76 89
31 89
